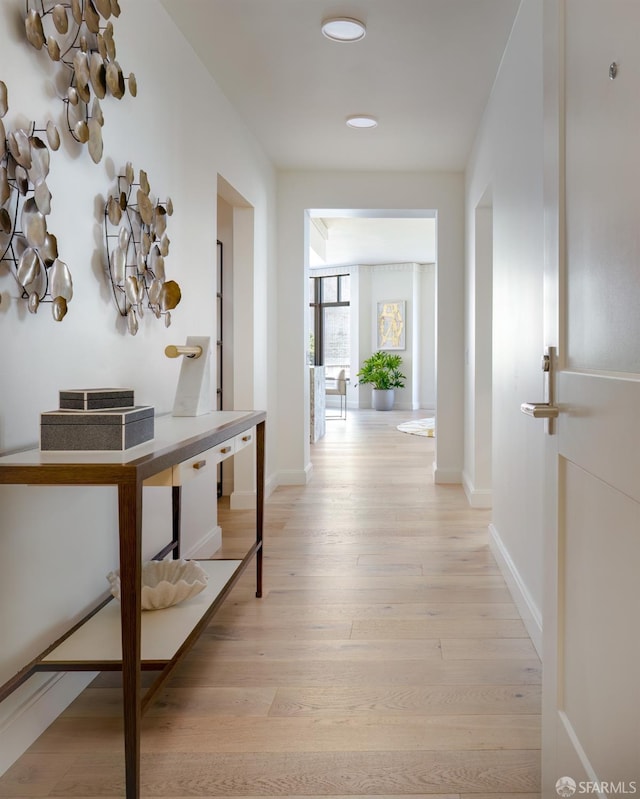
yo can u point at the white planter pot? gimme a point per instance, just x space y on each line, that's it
382 399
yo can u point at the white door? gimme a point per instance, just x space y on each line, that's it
591 714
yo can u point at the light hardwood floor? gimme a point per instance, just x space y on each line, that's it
385 659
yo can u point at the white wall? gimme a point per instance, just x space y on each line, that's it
415 284
508 157
57 545
300 191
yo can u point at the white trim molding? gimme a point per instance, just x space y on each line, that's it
295 477
207 545
35 711
446 476
476 497
530 612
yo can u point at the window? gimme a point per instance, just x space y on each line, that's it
330 323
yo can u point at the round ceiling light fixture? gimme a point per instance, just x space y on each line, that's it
343 29
362 121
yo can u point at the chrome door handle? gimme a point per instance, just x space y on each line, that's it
540 410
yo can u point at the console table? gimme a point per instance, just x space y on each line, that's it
123 638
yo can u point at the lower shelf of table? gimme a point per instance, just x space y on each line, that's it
163 631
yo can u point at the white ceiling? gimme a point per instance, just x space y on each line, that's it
425 69
376 240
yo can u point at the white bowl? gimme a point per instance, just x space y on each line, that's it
165 582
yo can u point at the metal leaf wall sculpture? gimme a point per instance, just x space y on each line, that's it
137 244
74 35
25 202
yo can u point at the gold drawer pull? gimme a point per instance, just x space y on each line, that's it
246 438
199 464
224 450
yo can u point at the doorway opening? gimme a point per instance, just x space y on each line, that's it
235 329
360 260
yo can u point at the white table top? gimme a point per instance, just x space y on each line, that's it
169 430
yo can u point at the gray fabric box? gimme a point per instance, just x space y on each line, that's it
115 429
90 399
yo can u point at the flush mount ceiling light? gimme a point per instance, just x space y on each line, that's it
362 121
343 29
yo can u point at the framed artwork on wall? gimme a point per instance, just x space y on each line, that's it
391 325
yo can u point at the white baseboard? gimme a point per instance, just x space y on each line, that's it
446 476
531 615
476 497
34 706
295 477
206 546
270 485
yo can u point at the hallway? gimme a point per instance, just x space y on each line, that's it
386 657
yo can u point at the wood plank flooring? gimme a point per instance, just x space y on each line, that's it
386 658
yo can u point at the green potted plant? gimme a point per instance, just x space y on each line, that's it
382 371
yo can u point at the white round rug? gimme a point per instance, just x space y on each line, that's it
419 427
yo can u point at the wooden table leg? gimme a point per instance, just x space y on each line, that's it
130 519
260 452
176 520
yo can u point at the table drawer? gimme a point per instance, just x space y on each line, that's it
204 462
243 440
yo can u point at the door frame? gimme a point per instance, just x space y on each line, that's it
554 254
